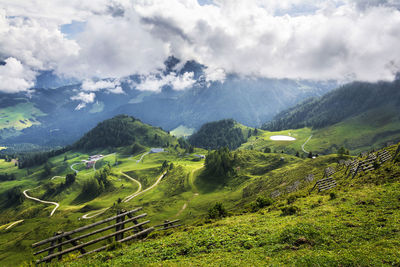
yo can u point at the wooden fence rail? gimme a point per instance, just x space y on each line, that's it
324 184
137 229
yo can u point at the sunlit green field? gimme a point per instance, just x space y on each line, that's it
20 116
185 193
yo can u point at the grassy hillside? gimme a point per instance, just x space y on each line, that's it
187 192
123 130
17 117
355 224
358 116
348 101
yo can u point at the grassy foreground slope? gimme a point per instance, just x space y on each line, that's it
355 224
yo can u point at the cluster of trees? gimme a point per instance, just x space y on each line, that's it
26 160
220 163
347 101
214 135
115 132
53 189
122 130
95 186
7 177
14 196
184 144
137 148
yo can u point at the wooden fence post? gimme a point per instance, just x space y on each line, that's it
59 242
51 250
117 228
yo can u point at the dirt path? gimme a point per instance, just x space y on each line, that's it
136 181
54 177
191 183
302 147
139 160
147 189
95 213
14 223
191 179
72 166
42 201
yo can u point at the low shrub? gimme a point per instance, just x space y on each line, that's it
217 211
290 210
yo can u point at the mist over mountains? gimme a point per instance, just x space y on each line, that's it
65 117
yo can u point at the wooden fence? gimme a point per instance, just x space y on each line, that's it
136 231
324 184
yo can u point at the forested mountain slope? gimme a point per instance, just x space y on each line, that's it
343 103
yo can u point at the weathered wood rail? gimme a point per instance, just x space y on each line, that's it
384 156
137 230
324 184
329 172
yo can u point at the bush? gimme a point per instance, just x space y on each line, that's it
217 211
70 178
301 233
332 195
290 210
260 203
14 196
291 199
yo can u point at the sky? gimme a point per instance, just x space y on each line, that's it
91 40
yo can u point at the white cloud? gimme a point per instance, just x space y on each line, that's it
155 82
84 98
308 39
14 77
334 40
110 86
181 82
215 75
115 47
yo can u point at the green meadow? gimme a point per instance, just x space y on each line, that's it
321 226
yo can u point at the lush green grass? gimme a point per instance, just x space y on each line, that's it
18 117
257 174
372 129
262 140
182 131
354 225
361 133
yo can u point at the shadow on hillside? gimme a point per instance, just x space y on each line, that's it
209 184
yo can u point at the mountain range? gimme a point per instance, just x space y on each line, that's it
50 117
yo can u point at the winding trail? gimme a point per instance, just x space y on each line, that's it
54 177
95 213
302 146
14 223
191 183
139 160
72 166
147 189
42 201
136 181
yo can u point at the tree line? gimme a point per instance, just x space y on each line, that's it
344 102
214 135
